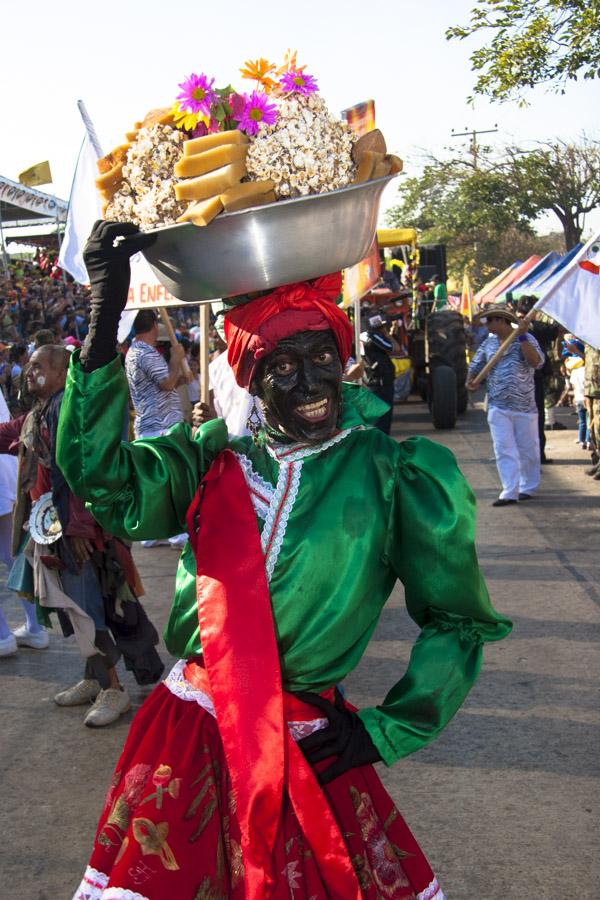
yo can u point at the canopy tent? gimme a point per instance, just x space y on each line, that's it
560 265
523 287
492 284
20 205
26 213
493 294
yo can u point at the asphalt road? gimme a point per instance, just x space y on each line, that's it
504 803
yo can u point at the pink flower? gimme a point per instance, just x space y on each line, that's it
296 82
237 103
197 94
201 129
257 109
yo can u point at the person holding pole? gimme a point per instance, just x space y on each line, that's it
512 411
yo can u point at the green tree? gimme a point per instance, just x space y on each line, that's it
532 42
470 210
557 177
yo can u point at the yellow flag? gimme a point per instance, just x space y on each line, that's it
466 298
38 174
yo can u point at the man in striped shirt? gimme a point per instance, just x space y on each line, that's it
152 385
512 411
153 382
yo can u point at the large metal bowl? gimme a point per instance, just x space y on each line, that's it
266 246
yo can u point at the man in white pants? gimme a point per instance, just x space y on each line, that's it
512 413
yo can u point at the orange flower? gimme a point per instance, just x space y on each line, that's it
289 62
258 70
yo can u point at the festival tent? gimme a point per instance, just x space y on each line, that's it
26 213
494 295
540 271
492 284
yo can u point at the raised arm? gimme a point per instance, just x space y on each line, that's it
136 490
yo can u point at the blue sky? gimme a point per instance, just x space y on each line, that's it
123 60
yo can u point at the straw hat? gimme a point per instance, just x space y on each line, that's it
501 311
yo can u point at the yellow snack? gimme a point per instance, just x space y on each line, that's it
209 141
250 200
203 212
118 155
247 192
382 169
162 116
396 163
367 165
211 185
201 163
111 178
131 135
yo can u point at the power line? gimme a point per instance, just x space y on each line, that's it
474 146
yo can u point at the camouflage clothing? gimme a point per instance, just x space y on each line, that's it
592 372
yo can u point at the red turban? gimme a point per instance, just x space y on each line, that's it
254 329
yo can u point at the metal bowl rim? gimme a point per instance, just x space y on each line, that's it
279 203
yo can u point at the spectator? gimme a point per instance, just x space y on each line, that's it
152 381
86 574
379 368
440 294
512 411
153 387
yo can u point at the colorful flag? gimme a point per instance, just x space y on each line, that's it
466 298
38 174
360 118
572 296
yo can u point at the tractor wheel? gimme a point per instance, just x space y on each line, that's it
447 347
443 397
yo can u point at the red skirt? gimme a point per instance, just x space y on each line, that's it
168 830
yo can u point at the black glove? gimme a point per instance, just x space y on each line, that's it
109 272
345 737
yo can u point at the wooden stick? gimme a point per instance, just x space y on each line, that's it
475 382
173 339
204 352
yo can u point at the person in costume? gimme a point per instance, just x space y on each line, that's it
246 774
86 576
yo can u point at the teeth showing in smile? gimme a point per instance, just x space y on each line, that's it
313 410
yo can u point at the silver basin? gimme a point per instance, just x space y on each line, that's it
263 247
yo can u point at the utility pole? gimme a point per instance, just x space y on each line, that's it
474 146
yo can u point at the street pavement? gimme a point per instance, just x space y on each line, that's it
504 803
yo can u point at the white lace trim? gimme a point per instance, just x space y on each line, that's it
92 885
261 492
432 892
299 730
116 893
280 508
294 452
178 684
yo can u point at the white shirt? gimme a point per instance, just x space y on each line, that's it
232 402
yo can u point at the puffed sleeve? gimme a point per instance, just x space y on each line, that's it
139 490
431 546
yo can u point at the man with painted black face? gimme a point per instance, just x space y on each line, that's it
246 773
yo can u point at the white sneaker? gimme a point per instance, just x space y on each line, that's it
8 645
37 640
83 692
109 706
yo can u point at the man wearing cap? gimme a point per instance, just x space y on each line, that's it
246 774
512 411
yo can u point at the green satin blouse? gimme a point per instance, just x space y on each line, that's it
340 522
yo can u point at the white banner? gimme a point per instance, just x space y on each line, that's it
145 290
32 200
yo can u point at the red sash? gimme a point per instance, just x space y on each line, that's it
242 672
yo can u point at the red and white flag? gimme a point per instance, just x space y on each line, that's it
572 296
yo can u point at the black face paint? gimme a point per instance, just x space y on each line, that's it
299 385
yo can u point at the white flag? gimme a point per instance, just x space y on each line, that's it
84 209
572 296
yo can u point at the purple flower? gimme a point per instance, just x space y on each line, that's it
298 83
237 103
197 94
256 109
201 128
